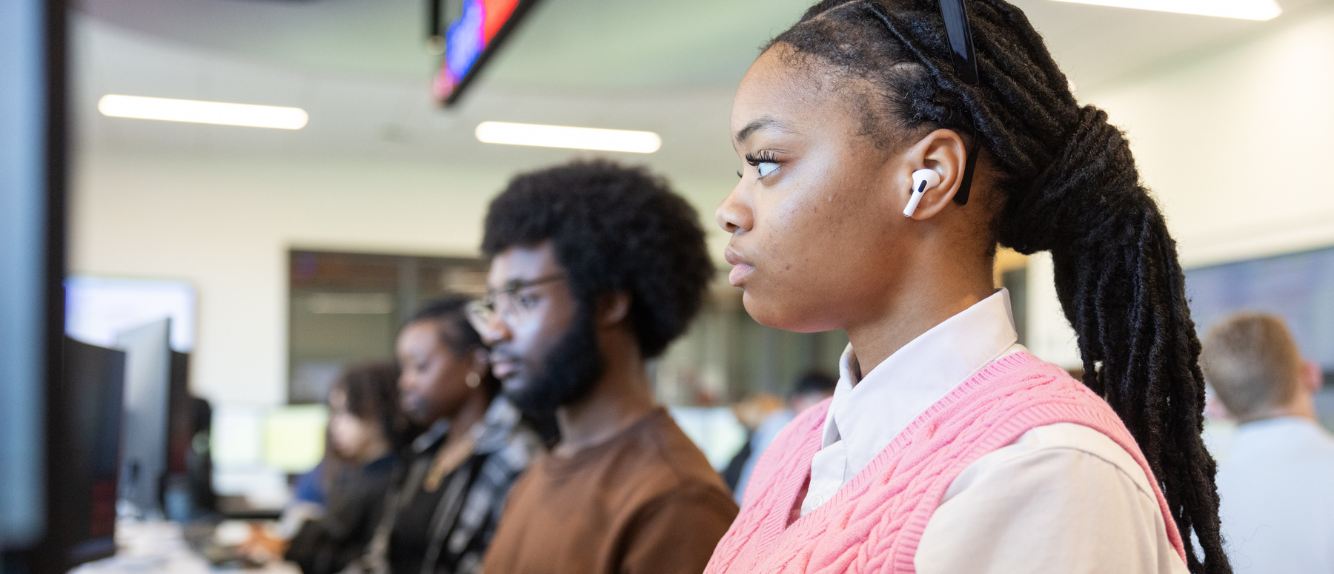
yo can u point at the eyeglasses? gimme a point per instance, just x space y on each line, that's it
507 304
965 64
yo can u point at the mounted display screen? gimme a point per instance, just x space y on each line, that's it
1299 287
470 39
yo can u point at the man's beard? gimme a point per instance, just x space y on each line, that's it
570 370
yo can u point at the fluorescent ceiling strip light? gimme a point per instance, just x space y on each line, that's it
568 137
195 111
1243 9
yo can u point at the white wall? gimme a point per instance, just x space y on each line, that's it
1236 143
226 224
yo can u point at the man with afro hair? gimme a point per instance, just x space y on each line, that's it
595 269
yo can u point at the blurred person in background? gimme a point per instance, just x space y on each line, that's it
595 269
443 515
363 433
1277 503
750 412
810 389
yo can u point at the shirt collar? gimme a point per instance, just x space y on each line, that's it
492 432
433 435
867 416
497 425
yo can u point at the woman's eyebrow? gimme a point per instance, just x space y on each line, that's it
765 122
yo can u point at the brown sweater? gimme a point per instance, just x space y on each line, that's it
646 501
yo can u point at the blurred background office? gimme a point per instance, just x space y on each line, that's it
281 256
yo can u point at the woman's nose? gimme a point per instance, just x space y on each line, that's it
734 214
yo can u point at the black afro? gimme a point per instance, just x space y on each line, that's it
613 229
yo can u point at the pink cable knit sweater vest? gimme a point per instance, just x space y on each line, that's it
873 523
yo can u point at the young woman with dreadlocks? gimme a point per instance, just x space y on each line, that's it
947 447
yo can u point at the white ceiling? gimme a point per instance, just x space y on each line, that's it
358 67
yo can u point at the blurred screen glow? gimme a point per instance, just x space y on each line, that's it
1299 287
1242 9
467 38
24 52
195 111
97 309
568 137
294 437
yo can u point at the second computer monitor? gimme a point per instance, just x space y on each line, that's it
147 387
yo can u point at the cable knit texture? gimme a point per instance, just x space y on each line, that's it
873 523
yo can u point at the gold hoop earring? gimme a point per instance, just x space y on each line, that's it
473 379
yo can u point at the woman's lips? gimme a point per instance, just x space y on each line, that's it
739 274
741 270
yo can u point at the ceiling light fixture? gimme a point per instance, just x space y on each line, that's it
1243 9
568 137
195 111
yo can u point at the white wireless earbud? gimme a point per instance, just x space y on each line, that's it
921 179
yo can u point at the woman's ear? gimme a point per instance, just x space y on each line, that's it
943 152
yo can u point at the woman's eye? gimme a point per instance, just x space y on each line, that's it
766 167
527 301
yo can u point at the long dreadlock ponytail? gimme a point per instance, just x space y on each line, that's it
1069 185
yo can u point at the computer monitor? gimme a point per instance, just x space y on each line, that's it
147 387
93 382
189 486
32 262
294 437
180 416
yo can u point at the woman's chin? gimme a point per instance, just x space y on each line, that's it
768 312
788 315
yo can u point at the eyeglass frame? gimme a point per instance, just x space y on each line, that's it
483 311
965 63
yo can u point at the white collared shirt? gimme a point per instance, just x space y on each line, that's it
1061 498
867 414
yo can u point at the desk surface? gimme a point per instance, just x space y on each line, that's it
160 548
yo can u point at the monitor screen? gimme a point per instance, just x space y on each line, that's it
93 380
294 437
147 387
97 309
471 39
1298 287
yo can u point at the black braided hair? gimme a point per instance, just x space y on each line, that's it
1066 183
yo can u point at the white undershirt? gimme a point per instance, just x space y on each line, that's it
1061 498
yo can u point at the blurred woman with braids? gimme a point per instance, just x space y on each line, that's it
443 514
947 447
